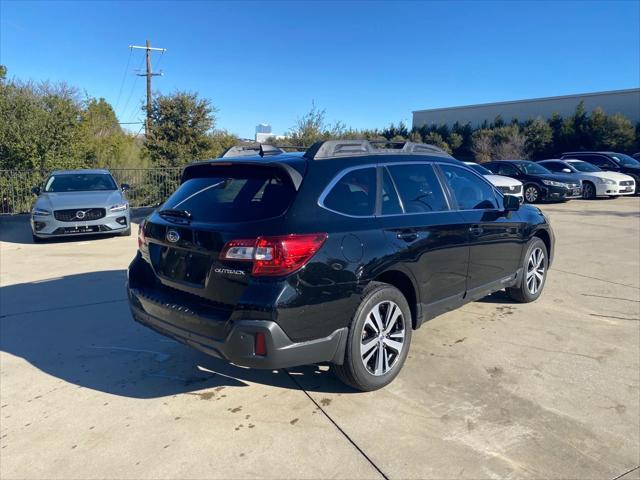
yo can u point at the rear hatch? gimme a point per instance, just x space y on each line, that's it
222 203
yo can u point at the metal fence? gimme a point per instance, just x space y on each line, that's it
149 186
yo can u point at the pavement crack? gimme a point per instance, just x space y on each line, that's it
349 439
596 278
616 318
67 307
584 355
627 473
611 298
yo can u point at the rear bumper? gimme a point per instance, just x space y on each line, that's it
238 345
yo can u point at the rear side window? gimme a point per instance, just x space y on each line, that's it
471 192
354 193
234 194
419 188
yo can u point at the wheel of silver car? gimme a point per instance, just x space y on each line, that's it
588 191
535 271
531 194
382 339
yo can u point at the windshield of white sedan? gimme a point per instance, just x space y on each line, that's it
584 167
80 182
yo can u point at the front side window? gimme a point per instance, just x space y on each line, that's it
418 188
79 182
471 192
505 169
598 161
354 194
531 168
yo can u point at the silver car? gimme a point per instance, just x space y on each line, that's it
80 202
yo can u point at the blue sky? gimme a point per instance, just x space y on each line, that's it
366 63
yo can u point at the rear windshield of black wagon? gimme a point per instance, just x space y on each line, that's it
234 194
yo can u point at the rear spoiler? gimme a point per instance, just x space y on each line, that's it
198 169
251 150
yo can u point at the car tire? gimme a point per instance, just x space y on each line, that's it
588 191
534 273
126 233
36 239
531 194
372 359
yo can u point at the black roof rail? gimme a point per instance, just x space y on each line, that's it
347 148
250 150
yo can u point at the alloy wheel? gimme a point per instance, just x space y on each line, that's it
531 194
535 271
383 336
588 191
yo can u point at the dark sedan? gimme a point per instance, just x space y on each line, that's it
539 183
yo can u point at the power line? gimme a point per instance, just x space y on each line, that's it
124 76
124 110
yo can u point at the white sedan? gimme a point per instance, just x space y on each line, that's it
595 182
507 185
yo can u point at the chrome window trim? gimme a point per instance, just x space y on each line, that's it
443 187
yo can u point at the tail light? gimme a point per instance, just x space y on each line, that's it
272 256
141 238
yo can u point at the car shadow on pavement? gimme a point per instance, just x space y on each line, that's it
18 230
78 328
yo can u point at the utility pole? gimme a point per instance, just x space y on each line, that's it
149 74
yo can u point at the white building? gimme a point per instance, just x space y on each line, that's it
625 102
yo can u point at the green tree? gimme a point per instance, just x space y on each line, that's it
181 127
434 138
538 138
619 133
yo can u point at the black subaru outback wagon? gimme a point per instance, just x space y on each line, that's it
335 255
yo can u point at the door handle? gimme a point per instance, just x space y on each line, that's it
476 230
407 236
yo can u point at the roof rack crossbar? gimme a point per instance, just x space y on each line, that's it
341 148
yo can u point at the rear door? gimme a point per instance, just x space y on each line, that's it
430 239
186 235
495 238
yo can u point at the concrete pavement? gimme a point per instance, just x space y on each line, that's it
496 389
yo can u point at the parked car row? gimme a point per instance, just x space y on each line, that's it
575 174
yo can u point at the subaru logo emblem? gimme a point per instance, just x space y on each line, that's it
80 214
173 236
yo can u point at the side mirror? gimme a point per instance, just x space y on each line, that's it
35 190
511 203
125 187
566 170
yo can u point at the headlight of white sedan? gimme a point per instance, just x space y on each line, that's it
40 212
606 181
119 208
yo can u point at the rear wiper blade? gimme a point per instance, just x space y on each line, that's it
170 212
